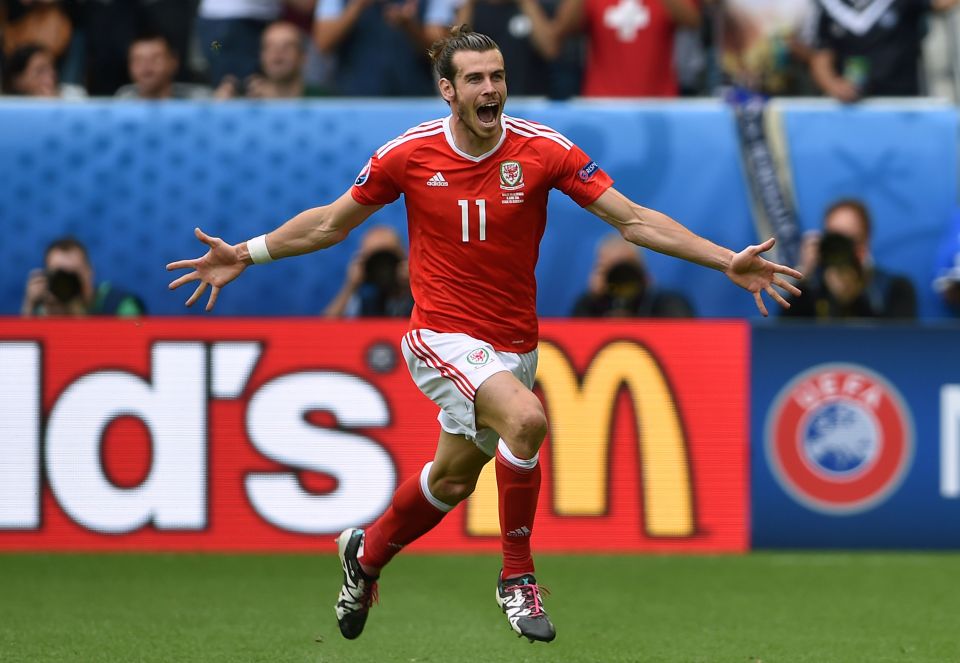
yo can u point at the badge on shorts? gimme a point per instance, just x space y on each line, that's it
478 357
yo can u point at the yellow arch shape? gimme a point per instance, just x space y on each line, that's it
581 416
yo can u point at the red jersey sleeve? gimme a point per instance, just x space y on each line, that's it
376 184
580 177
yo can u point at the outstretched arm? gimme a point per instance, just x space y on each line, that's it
310 230
657 231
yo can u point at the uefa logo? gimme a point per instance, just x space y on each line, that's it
364 173
839 439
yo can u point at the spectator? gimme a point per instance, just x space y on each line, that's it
66 287
629 43
939 57
109 27
377 283
380 45
229 32
153 66
870 48
30 71
947 282
842 278
621 287
691 61
319 68
283 56
765 44
27 22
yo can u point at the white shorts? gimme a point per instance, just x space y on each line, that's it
449 368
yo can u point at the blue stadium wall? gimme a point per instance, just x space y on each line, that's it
132 180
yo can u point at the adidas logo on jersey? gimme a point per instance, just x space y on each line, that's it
520 531
437 180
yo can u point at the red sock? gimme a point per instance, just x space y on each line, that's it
518 484
412 513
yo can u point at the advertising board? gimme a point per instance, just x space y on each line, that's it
275 434
856 436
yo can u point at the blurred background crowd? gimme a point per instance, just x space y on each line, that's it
557 49
847 49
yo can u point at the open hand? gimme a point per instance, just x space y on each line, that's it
756 274
216 268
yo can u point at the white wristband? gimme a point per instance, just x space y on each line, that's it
258 250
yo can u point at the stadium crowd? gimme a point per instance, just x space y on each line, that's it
555 48
263 49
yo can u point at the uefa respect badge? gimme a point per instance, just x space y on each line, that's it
839 439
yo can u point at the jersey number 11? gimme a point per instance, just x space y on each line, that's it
465 218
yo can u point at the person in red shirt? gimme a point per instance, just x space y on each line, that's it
475 185
629 43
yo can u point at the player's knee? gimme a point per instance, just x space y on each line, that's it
527 430
452 490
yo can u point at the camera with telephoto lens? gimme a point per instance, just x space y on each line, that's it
64 285
839 251
381 269
626 286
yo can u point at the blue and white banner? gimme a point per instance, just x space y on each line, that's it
855 437
769 182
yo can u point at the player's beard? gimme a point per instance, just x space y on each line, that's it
469 118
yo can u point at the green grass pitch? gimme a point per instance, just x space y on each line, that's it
769 607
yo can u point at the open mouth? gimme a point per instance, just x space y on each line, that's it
487 113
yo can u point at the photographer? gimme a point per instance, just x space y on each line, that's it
377 283
620 287
837 288
888 295
65 287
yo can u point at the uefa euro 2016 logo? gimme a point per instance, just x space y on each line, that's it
839 439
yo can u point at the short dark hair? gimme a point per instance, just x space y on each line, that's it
858 207
17 62
461 38
151 35
66 243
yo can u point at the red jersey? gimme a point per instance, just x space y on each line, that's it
630 49
475 223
